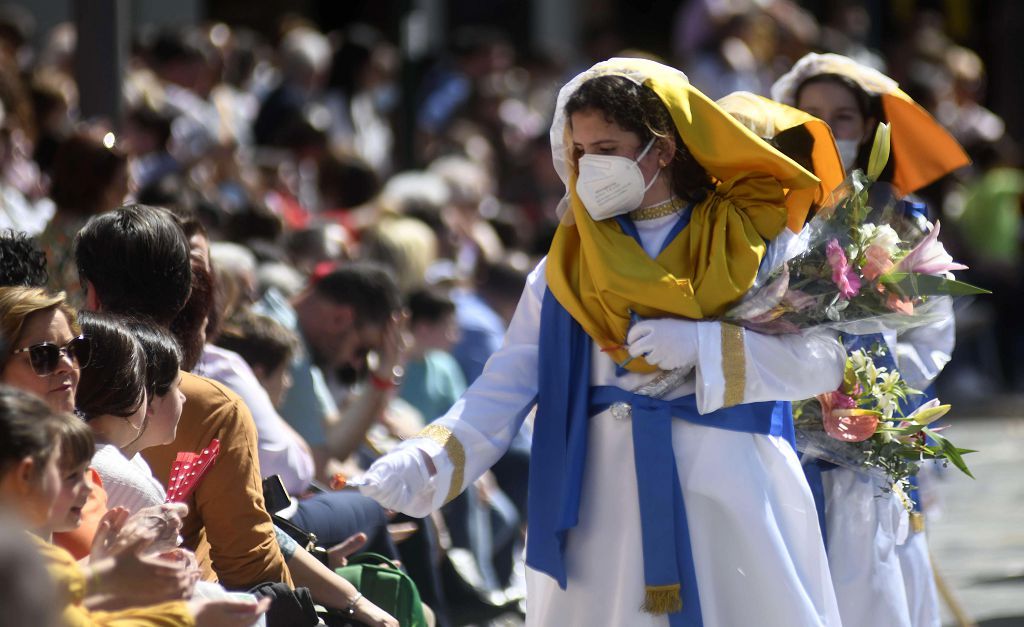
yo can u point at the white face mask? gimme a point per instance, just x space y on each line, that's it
610 185
848 149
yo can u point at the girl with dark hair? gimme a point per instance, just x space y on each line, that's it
29 460
113 401
163 383
882 574
852 99
114 384
77 446
31 438
663 476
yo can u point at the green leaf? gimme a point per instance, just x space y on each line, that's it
952 453
908 284
914 454
910 429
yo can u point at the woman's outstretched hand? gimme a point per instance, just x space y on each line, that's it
400 481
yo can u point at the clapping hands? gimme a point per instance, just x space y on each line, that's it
134 561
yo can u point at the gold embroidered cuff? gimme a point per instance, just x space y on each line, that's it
456 453
734 365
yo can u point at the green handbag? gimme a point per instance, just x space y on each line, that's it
381 581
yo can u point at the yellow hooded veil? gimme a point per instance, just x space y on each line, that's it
806 134
601 275
922 149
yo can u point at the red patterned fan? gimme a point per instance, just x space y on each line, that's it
186 471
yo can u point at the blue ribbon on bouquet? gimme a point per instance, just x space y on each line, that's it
566 402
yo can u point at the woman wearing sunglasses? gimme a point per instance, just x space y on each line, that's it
42 345
42 352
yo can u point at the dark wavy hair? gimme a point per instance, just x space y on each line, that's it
114 382
21 260
163 356
637 109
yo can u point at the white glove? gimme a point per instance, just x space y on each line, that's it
400 481
667 343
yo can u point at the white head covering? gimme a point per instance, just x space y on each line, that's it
559 148
922 149
813 64
723 146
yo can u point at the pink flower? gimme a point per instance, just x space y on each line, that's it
929 257
877 262
842 401
842 274
843 421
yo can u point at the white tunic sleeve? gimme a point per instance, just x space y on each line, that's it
479 427
922 352
736 365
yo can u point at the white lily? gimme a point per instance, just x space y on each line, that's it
879 151
928 413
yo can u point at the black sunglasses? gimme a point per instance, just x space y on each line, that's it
44 357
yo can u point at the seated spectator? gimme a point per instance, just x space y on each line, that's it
29 487
341 318
266 346
135 260
42 352
433 380
129 405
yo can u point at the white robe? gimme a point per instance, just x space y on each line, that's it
865 525
757 548
880 567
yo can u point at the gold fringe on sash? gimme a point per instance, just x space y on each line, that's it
662 599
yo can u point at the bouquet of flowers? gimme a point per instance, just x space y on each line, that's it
862 426
851 270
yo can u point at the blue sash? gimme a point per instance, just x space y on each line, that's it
565 403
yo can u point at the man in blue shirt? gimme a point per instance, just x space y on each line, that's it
341 318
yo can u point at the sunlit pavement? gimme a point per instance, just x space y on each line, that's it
977 539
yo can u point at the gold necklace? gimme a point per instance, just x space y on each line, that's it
660 210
